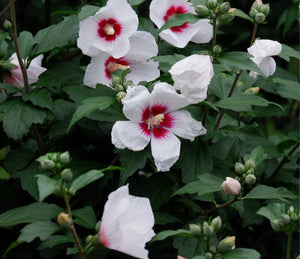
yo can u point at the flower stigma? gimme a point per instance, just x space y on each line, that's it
156 120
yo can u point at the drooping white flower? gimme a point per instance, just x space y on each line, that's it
33 71
262 52
154 117
231 186
127 222
142 47
179 36
108 30
192 75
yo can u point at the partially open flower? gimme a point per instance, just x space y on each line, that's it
126 224
108 30
231 186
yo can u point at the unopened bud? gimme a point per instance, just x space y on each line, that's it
253 12
250 164
250 179
231 186
284 219
250 171
202 11
276 225
195 229
226 244
119 87
294 217
254 90
209 255
72 191
128 83
7 25
216 223
239 168
66 175
98 226
207 229
228 17
115 80
217 49
212 4
213 249
291 210
64 220
120 96
47 164
265 9
65 157
89 239
260 18
224 8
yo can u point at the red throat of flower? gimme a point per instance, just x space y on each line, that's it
171 12
112 64
109 29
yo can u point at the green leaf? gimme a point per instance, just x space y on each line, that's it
292 14
241 14
89 105
288 52
168 233
53 241
46 186
26 42
42 230
207 183
189 247
165 218
28 214
58 35
267 192
86 11
244 253
288 88
3 174
9 88
179 19
167 61
136 2
40 98
85 217
19 118
257 154
272 211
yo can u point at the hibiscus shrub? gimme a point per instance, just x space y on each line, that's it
149 129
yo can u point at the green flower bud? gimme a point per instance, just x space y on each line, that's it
7 25
213 249
195 229
115 80
250 179
216 223
66 175
47 164
239 168
202 11
120 96
217 49
89 239
119 87
226 244
294 217
72 191
98 226
291 210
250 164
260 18
209 255
276 225
128 83
250 171
265 9
207 229
65 157
253 12
224 8
212 4
228 17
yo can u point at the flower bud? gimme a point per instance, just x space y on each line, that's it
98 226
265 9
120 96
294 217
224 8
226 244
217 49
202 11
115 80
260 18
47 164
291 210
119 87
250 171
231 186
180 257
228 17
65 157
195 229
64 220
250 179
7 25
239 168
66 175
209 255
207 229
254 90
276 225
212 4
216 223
72 191
128 83
250 164
213 249
284 219
89 239
253 12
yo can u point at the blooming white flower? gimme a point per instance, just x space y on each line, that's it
127 222
33 71
192 75
155 118
231 186
262 50
179 36
108 30
142 47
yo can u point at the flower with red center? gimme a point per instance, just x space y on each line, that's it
126 224
108 30
33 71
179 36
154 117
142 48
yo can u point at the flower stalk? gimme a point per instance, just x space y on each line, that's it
289 244
221 205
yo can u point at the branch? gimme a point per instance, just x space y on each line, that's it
220 206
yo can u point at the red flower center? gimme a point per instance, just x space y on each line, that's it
112 64
156 120
109 29
171 12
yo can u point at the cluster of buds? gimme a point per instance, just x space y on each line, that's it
246 171
288 221
214 9
54 161
119 84
259 11
207 229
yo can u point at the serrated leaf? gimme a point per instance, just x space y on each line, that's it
53 241
26 42
85 217
288 52
41 230
87 11
88 106
267 192
168 233
272 211
46 186
39 98
34 212
165 218
9 88
241 14
244 253
288 88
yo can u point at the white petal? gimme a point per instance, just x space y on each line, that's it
267 66
135 102
165 151
35 69
205 33
128 134
253 74
185 126
264 48
166 95
143 71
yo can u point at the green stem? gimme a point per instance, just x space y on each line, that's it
214 40
254 33
289 244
